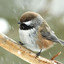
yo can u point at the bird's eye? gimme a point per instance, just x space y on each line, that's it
25 27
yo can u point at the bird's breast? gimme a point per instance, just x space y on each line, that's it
29 38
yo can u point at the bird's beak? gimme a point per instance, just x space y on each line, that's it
19 22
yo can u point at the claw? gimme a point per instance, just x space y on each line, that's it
21 43
38 54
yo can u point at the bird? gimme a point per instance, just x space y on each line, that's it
35 33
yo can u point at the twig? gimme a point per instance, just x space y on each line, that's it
20 51
56 55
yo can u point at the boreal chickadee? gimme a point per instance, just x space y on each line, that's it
35 33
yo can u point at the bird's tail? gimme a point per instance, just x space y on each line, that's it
61 42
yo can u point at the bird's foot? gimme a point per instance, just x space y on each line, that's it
38 54
21 43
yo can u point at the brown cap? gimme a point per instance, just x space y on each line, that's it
27 16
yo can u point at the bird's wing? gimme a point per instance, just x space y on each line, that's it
51 36
48 33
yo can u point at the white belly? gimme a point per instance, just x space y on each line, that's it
29 38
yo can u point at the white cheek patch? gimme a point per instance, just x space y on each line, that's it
28 22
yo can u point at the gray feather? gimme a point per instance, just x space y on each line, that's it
49 35
61 41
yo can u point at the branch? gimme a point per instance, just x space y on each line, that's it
20 51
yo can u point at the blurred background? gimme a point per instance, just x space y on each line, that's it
11 10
